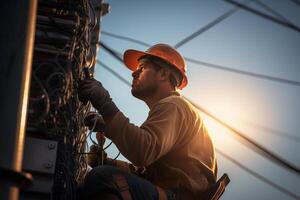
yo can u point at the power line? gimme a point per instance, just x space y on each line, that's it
260 149
256 75
296 2
208 26
226 15
268 130
126 82
258 176
114 53
271 10
268 17
251 172
220 67
242 138
125 38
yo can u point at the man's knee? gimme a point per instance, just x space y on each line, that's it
100 181
111 180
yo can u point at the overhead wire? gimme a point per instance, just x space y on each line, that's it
208 26
272 11
296 2
114 53
263 15
251 172
125 38
258 176
224 68
260 149
237 71
275 132
113 72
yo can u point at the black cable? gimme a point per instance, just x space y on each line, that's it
104 148
109 50
115 158
208 26
225 155
93 26
268 130
125 38
256 75
296 2
258 176
210 65
268 17
272 11
260 149
113 72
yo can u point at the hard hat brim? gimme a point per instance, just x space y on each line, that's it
131 60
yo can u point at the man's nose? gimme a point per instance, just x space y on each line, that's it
136 73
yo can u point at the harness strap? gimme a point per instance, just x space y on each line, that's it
122 184
162 195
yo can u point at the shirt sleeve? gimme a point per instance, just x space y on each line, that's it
144 145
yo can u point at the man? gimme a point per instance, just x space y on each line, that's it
172 144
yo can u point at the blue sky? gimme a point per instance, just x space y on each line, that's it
243 41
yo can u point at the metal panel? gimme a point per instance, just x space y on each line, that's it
40 155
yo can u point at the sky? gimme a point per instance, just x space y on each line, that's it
265 111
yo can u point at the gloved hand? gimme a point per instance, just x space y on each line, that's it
95 122
96 154
92 90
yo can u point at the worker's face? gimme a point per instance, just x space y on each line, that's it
144 82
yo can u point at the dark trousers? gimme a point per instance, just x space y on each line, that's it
100 180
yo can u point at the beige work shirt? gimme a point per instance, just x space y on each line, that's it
173 144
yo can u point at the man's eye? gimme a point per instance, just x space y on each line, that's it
141 68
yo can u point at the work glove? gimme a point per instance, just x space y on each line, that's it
93 91
94 122
96 154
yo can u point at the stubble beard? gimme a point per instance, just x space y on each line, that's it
144 93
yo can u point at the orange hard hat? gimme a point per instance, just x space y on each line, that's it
162 51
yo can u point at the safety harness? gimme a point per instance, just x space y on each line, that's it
123 187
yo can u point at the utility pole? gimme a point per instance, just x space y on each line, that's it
16 47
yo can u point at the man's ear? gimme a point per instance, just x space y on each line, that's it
164 74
